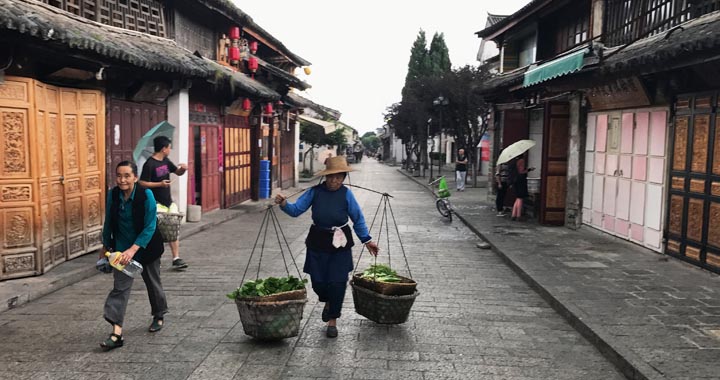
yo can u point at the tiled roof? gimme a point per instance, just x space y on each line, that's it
507 19
691 40
493 19
242 82
55 26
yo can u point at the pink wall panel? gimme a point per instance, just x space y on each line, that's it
622 228
658 122
601 133
626 139
622 208
600 163
641 133
609 223
637 232
637 203
610 196
597 197
656 170
640 168
625 166
611 165
597 219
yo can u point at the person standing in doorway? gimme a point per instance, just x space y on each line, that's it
460 170
502 180
521 187
156 177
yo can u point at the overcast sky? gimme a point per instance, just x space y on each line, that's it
360 50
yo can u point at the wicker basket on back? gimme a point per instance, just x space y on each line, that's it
381 308
272 317
169 225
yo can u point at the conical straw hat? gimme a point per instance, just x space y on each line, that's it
335 165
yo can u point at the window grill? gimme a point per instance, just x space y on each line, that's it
146 16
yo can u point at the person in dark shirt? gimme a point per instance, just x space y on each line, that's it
329 242
156 177
502 180
461 170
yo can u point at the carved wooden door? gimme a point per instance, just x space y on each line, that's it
693 222
554 170
51 205
236 154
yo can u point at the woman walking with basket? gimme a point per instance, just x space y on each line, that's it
129 228
329 242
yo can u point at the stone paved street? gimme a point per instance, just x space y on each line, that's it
474 319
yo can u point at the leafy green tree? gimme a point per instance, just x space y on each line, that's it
313 135
370 141
438 57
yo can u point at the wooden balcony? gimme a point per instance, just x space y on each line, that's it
629 20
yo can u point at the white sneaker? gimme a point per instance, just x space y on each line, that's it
501 214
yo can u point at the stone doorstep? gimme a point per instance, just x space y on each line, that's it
16 292
622 357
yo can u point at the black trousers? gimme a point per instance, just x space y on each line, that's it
333 293
500 198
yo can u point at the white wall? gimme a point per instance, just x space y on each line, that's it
179 116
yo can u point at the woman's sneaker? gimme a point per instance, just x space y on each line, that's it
179 264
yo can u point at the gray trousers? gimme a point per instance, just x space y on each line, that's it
117 300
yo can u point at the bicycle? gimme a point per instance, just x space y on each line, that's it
442 199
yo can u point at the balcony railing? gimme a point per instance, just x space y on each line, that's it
629 20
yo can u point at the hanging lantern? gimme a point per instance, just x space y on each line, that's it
246 104
253 47
269 109
253 64
307 70
235 33
234 54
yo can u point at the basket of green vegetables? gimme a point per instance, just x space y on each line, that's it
382 296
271 308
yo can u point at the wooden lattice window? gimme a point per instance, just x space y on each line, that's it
146 16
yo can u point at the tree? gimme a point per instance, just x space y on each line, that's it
336 138
313 135
438 61
370 141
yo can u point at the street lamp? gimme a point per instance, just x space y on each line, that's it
440 101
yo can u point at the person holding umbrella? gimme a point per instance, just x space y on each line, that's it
156 177
519 171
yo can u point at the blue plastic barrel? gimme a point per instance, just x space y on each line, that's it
264 174
264 165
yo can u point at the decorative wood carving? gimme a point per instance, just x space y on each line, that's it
692 253
18 263
40 128
94 238
17 193
678 183
57 190
680 154
75 215
15 157
674 246
695 217
18 228
93 211
697 186
77 244
55 141
59 252
91 142
14 91
44 195
714 224
92 183
58 220
71 154
72 186
701 132
676 214
46 235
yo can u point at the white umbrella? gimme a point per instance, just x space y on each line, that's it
515 150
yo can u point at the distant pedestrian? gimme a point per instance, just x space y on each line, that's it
130 228
502 182
520 187
329 255
156 177
460 170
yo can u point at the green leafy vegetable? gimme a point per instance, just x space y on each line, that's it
268 286
382 273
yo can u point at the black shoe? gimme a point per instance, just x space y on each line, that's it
156 325
179 264
331 332
326 313
110 343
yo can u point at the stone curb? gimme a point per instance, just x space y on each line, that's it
83 267
620 356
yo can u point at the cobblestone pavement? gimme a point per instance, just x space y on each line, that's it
474 319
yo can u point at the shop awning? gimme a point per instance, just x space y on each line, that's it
329 127
555 68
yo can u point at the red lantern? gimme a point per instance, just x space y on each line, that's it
253 64
234 53
269 108
246 104
235 33
253 46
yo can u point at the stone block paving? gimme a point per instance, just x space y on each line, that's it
656 317
474 319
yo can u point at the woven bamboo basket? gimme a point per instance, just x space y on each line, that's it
380 308
272 317
406 285
169 225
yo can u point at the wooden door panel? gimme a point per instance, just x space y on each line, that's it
237 160
554 164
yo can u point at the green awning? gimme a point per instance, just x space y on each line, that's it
555 68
